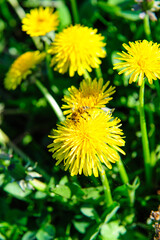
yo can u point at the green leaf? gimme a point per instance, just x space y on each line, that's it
80 226
134 185
76 189
134 235
92 192
64 15
132 16
2 178
112 230
39 195
62 191
88 16
14 189
119 8
92 232
88 211
121 190
47 233
94 236
111 211
63 180
109 8
2 237
29 236
118 2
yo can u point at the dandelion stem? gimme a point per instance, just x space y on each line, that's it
18 9
122 172
145 142
125 180
75 11
86 75
107 190
147 27
98 72
48 60
158 89
147 30
151 134
51 101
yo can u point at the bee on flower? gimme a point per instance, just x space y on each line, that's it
83 147
91 94
76 114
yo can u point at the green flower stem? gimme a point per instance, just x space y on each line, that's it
48 61
151 135
145 142
158 89
147 30
122 172
51 101
75 11
18 9
147 27
86 75
98 72
125 180
107 191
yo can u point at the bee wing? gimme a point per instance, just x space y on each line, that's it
108 110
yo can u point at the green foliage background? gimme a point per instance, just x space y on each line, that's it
73 207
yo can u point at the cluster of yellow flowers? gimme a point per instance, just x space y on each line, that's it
90 135
79 49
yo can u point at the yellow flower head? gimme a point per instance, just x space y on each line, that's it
141 60
40 21
78 49
21 68
91 94
82 145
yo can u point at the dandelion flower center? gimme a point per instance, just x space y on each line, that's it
141 60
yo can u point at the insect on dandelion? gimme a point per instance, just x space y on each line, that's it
82 145
91 94
21 68
77 49
141 60
40 21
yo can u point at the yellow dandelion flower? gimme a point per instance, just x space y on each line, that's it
84 144
77 49
21 68
91 94
141 60
40 21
